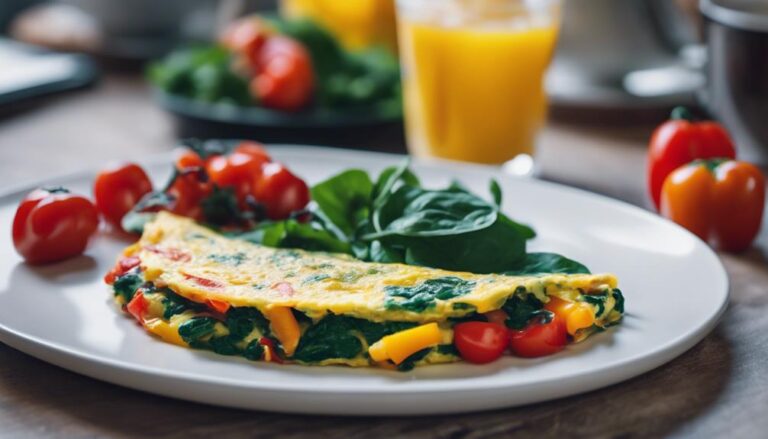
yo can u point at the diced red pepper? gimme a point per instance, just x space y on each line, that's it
270 350
173 254
218 306
122 267
204 282
138 306
284 288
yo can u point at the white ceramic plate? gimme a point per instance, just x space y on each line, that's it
675 288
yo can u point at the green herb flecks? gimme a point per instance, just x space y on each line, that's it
419 297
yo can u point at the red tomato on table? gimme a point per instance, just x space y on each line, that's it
53 224
118 188
480 342
539 339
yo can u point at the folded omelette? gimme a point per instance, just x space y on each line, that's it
194 287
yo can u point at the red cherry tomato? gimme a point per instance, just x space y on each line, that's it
680 141
246 37
539 339
189 161
253 149
118 188
237 170
280 191
285 79
52 224
480 342
189 192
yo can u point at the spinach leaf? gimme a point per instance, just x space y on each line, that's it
415 212
196 328
345 199
224 345
331 337
495 192
410 362
293 234
541 263
597 300
373 331
254 351
419 297
619 297
242 320
220 207
126 285
175 304
491 250
520 311
201 73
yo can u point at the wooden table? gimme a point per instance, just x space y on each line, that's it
718 388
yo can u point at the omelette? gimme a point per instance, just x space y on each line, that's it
194 287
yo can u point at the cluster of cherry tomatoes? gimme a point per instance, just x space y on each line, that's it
484 342
52 224
280 67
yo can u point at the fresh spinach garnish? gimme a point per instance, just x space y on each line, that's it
542 263
345 199
254 351
419 297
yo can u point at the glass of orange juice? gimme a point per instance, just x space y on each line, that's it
358 24
473 75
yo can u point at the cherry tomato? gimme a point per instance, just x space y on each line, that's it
246 37
480 342
253 149
118 188
539 339
52 224
285 79
189 161
280 191
237 170
189 191
679 141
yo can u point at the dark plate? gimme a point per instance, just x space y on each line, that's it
367 128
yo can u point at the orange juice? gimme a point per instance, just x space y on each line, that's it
358 24
474 91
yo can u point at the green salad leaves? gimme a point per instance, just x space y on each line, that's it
395 219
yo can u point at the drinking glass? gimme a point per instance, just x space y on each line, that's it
473 75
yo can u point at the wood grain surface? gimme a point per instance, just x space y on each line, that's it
719 388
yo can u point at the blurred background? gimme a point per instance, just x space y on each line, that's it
112 78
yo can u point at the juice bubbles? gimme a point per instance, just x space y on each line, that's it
358 24
473 76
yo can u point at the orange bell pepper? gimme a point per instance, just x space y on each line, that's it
721 201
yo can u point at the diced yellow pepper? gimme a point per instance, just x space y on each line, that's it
285 327
575 314
401 345
581 316
167 332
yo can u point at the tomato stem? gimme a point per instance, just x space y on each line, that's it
682 113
